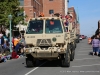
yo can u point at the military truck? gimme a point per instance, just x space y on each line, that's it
46 38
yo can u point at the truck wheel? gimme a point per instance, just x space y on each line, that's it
78 41
72 53
29 62
74 45
71 56
66 60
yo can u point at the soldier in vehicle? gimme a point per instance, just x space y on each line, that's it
41 15
53 26
50 25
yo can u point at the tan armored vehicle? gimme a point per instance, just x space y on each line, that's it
46 39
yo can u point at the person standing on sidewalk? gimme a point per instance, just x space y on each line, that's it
98 36
95 45
1 43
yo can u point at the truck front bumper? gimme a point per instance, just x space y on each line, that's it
51 52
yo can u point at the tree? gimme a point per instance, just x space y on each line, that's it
11 7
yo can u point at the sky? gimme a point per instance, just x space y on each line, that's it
89 14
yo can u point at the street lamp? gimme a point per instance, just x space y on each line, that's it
10 19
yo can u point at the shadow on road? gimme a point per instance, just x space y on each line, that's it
53 63
90 53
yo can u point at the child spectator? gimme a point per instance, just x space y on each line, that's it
2 57
14 55
17 44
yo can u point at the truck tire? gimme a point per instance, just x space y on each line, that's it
78 41
72 53
29 62
74 44
66 60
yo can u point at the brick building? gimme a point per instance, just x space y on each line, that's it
78 26
33 8
75 19
53 6
72 11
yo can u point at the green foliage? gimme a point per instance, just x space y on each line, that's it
8 7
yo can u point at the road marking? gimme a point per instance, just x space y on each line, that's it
85 48
35 68
82 54
87 65
87 58
85 51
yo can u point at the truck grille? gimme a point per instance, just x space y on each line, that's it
44 42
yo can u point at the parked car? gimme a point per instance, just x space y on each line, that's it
80 37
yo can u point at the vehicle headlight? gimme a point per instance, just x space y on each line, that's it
26 50
30 50
54 39
58 49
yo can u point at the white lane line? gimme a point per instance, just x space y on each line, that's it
84 48
87 58
85 51
87 65
35 68
82 54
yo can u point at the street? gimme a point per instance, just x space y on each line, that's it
83 64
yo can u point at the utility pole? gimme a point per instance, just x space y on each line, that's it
10 20
66 6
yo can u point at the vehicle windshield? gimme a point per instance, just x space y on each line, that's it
53 26
35 27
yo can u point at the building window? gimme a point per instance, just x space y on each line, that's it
34 4
51 11
21 2
50 0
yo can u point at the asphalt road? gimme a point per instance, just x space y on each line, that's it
83 64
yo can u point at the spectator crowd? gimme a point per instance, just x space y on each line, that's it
18 46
